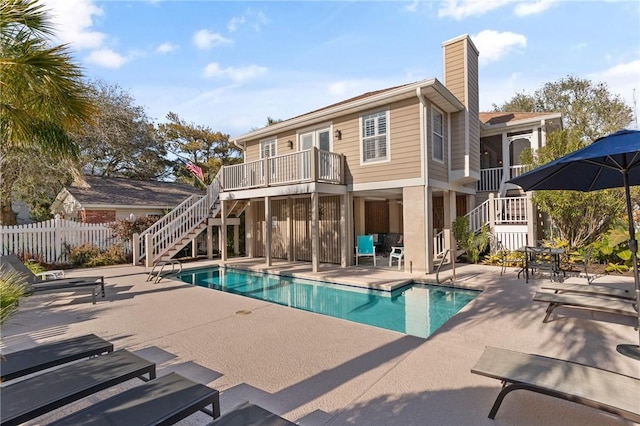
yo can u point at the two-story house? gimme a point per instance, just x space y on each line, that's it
404 160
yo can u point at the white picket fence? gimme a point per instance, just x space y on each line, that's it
50 240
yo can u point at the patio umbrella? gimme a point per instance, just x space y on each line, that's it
611 161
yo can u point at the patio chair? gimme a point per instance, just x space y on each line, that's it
251 414
37 285
509 258
540 259
589 303
162 401
365 248
397 252
37 395
44 356
583 384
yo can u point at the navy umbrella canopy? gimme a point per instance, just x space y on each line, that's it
611 161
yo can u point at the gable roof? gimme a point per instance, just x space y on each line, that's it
129 192
432 89
494 118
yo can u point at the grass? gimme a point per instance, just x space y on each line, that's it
12 288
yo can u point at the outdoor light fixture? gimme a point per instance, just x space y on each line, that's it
290 144
338 135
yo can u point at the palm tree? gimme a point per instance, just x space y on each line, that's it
42 92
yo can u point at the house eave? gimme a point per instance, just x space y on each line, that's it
522 124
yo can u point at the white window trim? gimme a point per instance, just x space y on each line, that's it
361 136
313 129
432 132
263 142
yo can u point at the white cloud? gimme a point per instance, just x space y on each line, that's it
166 48
205 39
493 45
236 74
526 9
460 9
235 22
73 21
413 6
621 79
107 58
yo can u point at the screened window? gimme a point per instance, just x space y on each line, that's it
374 137
437 124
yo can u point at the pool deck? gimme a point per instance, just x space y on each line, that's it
318 370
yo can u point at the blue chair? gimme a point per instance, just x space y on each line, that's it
365 248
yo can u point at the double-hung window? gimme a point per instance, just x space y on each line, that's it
437 134
375 138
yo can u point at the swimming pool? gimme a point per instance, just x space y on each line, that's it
416 309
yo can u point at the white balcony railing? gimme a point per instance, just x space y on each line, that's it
490 179
313 165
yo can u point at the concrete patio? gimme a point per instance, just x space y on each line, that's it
318 370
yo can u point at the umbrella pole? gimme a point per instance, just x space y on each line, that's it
627 349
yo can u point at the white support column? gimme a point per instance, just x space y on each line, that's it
343 231
492 211
194 246
223 230
135 248
148 250
428 208
532 222
446 202
249 230
209 241
267 230
315 238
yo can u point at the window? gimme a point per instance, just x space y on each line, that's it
437 132
374 137
268 148
319 138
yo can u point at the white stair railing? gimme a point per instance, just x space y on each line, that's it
178 223
439 244
478 216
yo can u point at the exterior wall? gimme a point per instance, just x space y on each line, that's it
438 170
473 106
415 242
404 147
454 64
97 216
329 228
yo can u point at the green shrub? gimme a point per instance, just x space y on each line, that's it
90 255
12 288
474 243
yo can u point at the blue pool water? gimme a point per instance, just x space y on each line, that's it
416 309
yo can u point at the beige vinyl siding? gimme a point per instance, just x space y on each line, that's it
457 140
404 148
438 170
253 147
474 111
454 69
329 228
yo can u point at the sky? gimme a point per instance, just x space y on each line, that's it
229 65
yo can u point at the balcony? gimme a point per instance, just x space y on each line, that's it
312 165
491 179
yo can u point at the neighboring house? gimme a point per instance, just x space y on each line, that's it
103 199
404 160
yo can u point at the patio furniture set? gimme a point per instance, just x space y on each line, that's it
583 384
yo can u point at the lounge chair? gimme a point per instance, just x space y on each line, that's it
34 396
37 285
162 401
595 290
251 414
589 303
591 386
27 361
365 248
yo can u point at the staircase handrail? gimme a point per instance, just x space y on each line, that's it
178 223
478 216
